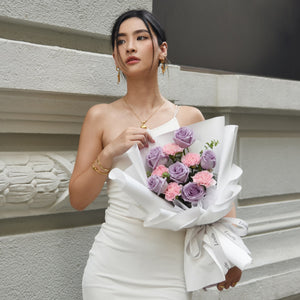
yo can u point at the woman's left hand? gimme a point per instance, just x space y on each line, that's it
231 278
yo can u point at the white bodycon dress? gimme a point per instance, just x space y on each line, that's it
129 261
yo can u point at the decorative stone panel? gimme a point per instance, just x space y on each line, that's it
34 180
35 183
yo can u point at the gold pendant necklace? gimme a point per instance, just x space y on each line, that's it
143 123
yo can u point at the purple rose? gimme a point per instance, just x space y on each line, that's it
192 192
184 137
208 160
179 172
156 157
157 184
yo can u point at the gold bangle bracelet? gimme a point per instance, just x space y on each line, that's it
101 167
99 171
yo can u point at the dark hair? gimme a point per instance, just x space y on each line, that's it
149 20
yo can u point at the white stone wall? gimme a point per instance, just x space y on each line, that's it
55 64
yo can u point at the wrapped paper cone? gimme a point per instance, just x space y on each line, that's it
212 242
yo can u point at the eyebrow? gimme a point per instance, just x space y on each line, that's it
135 32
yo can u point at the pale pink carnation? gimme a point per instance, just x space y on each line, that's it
204 178
173 190
191 159
159 170
172 149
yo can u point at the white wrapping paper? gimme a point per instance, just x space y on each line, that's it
212 242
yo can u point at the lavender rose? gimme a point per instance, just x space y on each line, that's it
157 184
156 157
208 160
179 172
192 192
184 137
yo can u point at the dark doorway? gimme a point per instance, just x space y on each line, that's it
256 37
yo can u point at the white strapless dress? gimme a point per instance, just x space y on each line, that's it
128 261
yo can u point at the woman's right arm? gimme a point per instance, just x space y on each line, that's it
86 183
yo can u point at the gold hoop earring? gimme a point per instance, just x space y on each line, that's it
118 70
163 65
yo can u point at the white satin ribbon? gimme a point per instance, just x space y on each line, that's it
217 245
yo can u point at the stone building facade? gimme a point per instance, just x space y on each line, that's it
56 63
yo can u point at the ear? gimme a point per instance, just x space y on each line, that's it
164 50
114 56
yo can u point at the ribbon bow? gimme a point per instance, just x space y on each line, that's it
211 250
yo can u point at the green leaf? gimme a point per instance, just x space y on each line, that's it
165 175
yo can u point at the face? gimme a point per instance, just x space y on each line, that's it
136 49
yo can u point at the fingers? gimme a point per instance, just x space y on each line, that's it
150 138
144 132
221 286
225 285
127 139
141 145
232 277
140 140
141 137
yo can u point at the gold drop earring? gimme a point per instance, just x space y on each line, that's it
163 65
118 70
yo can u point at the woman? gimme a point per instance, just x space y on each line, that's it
127 260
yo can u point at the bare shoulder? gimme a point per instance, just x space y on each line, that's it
97 111
188 115
101 117
101 113
95 120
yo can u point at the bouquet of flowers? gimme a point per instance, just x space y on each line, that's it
192 170
180 176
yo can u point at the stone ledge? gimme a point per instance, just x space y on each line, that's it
31 67
271 216
280 246
54 37
84 16
40 112
44 222
25 111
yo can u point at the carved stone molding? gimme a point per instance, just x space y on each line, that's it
34 183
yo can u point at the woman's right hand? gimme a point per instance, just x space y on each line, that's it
126 140
85 184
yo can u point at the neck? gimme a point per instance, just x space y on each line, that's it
143 92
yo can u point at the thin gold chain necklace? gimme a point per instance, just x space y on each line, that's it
143 123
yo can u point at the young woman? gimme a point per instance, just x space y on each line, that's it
127 260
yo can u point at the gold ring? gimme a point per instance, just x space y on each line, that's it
234 284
